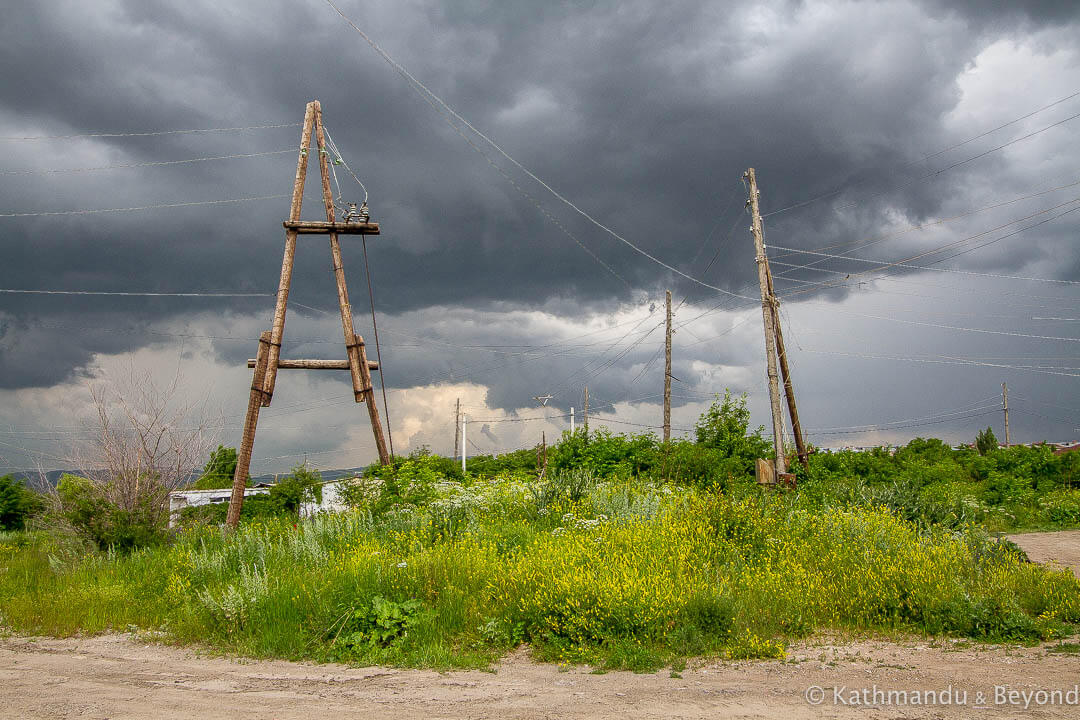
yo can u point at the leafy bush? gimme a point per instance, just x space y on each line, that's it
87 509
378 625
17 503
288 493
931 483
255 507
604 453
409 482
1062 506
686 463
491 465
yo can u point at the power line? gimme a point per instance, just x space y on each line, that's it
339 158
952 327
942 248
133 294
1055 302
149 134
145 207
909 425
918 267
922 226
944 414
938 360
940 152
419 86
147 164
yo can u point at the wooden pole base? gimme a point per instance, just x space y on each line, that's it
247 443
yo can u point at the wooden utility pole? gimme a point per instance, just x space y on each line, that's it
667 371
269 361
770 329
585 414
785 372
243 458
457 427
1005 407
541 456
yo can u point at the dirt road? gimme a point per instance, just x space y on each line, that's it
1053 548
117 677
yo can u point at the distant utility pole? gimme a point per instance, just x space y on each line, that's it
464 448
667 372
1005 407
770 330
571 420
585 414
457 426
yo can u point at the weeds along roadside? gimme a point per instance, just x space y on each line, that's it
616 573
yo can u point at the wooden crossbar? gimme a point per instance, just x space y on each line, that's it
313 227
314 364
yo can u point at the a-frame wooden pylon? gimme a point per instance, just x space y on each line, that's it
268 361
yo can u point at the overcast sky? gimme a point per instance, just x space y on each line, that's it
879 132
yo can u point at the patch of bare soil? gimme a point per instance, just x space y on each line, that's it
118 677
1052 548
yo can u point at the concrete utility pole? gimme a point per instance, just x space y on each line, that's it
571 420
585 414
667 372
1005 407
457 426
464 448
770 331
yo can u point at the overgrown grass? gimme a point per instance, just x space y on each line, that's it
616 574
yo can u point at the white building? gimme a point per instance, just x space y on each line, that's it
180 499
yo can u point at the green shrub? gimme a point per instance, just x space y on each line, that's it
17 503
368 627
1062 507
109 526
411 482
254 507
288 493
603 453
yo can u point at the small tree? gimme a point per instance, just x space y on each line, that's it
985 441
150 440
17 503
725 426
219 470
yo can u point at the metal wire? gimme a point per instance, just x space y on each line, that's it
378 351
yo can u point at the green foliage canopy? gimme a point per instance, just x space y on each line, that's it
985 441
219 470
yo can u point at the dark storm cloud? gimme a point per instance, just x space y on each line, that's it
1039 12
646 115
